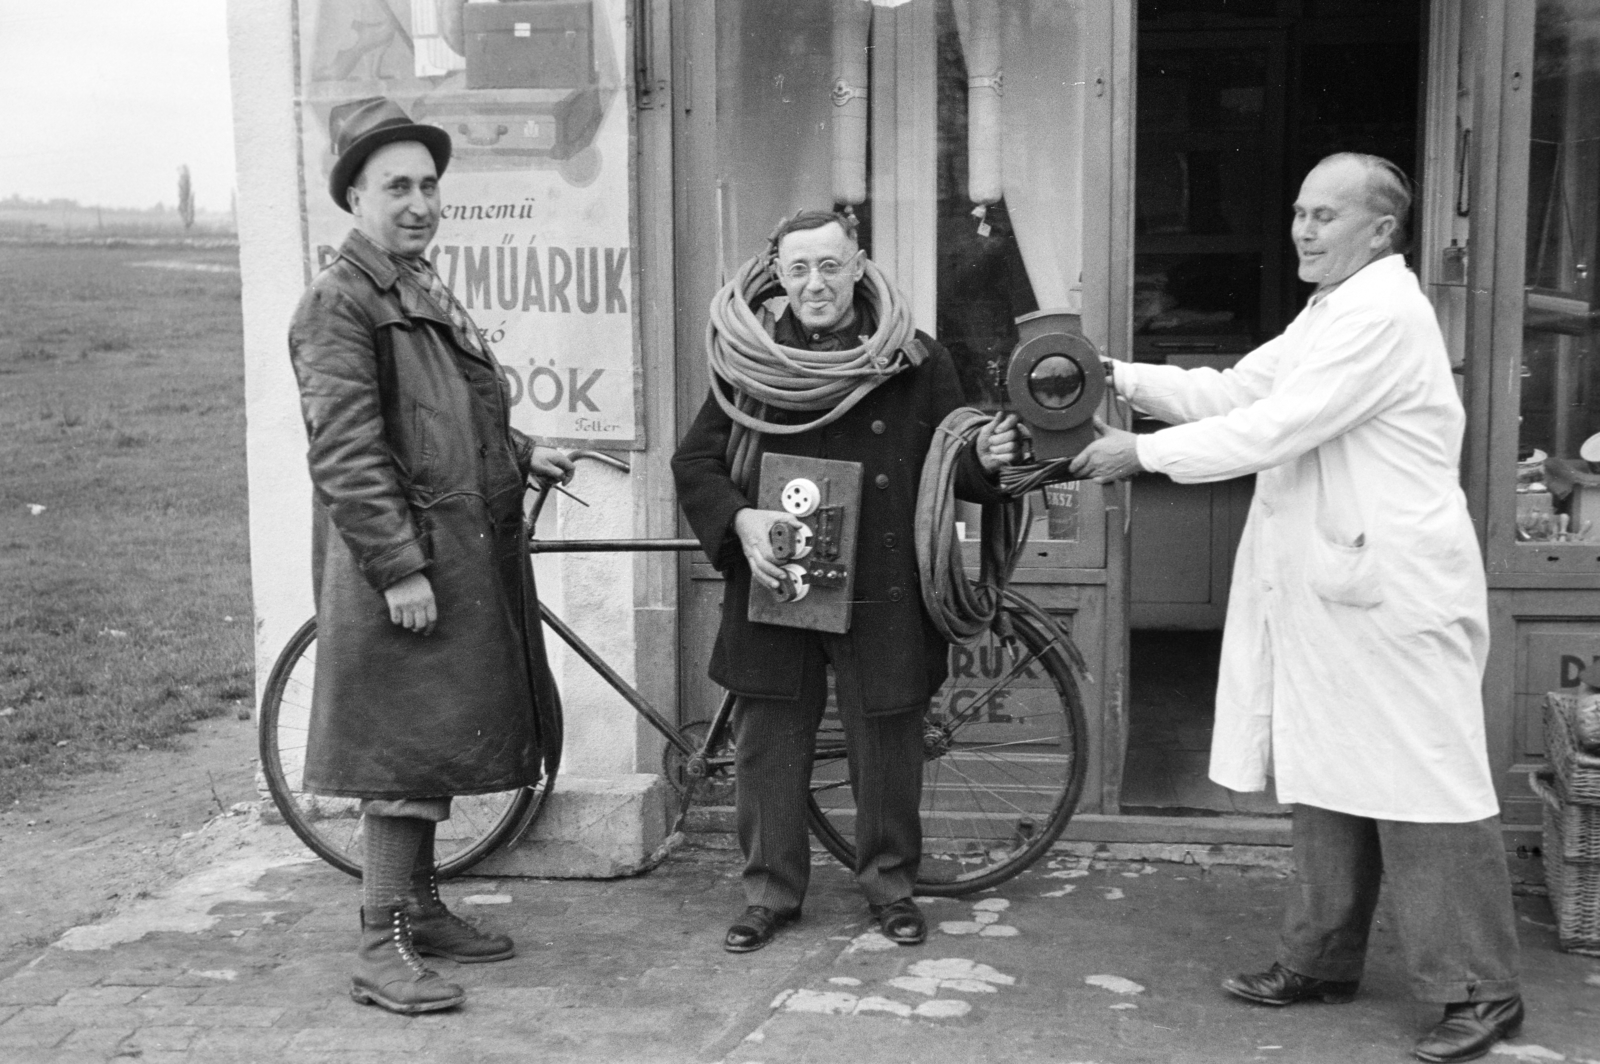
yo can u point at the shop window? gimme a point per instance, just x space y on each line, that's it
1558 447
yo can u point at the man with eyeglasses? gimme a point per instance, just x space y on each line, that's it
892 660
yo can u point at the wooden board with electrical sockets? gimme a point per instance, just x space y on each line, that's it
819 561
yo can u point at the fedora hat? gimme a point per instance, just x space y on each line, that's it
358 129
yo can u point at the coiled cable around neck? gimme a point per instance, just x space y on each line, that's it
763 374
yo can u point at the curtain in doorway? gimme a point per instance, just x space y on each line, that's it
1041 59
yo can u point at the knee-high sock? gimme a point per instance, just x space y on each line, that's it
421 885
425 847
389 857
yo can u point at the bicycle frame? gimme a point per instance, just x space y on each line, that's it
998 801
699 761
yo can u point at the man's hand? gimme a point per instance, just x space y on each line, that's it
998 443
754 529
549 464
411 604
1111 457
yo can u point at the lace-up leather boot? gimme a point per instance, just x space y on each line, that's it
391 975
438 932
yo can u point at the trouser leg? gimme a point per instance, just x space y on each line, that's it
1338 867
1451 893
886 778
774 742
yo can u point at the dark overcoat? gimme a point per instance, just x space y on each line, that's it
415 468
904 658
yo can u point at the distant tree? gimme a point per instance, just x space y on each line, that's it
185 197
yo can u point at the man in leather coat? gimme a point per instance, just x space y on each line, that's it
893 659
431 676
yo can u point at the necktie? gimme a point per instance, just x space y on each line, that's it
465 331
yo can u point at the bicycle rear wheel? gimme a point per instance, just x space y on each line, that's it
331 827
1005 751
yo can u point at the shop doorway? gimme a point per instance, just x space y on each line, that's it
1237 99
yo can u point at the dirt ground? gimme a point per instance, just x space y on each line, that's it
97 842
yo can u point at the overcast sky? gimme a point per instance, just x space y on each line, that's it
105 99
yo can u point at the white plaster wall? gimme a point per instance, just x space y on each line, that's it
271 262
593 593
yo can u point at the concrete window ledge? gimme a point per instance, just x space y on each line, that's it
591 828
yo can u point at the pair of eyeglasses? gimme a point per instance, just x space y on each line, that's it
829 270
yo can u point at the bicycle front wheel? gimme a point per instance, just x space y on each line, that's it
1004 755
331 827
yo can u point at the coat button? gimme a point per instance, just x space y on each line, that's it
881 480
879 428
895 594
888 540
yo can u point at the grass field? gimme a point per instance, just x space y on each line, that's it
124 580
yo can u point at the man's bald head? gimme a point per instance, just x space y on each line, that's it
1388 191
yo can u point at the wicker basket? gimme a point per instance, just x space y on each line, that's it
1574 884
1578 772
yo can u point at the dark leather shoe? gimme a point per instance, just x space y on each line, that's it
902 922
755 928
1279 986
1469 1028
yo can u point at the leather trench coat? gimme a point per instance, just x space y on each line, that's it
904 658
415 468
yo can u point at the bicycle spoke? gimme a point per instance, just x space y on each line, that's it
980 747
980 788
1001 767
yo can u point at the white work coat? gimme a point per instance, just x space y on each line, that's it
1357 626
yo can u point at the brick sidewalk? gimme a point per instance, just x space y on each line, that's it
247 960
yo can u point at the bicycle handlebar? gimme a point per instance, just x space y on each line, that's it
597 546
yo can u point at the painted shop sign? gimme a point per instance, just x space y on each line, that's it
535 238
1550 656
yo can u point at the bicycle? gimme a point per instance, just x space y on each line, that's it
1004 755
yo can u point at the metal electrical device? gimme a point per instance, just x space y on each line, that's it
1055 383
818 559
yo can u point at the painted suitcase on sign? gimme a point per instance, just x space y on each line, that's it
529 44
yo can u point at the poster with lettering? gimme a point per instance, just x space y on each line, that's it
535 238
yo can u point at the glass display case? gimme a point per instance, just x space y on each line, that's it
1557 470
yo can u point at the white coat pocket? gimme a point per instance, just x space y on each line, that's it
1346 574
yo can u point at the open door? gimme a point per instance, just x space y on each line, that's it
985 147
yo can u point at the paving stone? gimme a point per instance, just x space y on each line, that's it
15 1037
513 998
156 1038
96 996
168 995
107 1041
73 1056
213 1015
159 1056
229 1043
143 977
57 1016
20 990
356 1039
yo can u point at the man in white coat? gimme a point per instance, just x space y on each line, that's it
1357 625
